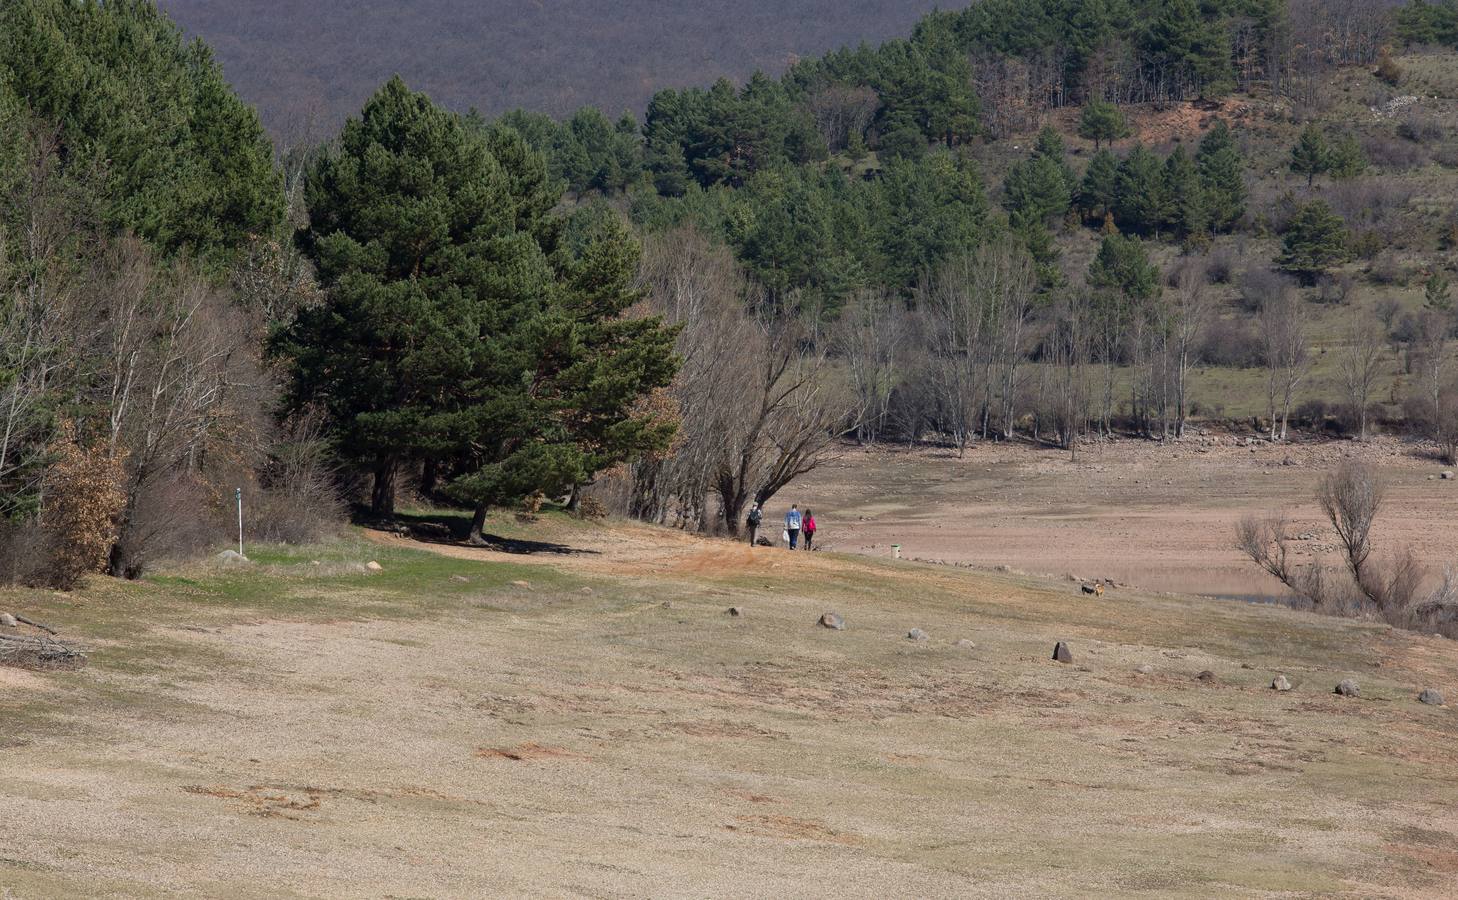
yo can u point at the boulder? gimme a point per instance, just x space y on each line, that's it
231 557
1280 683
832 621
916 634
1430 697
1348 688
1061 653
9 621
374 566
1448 475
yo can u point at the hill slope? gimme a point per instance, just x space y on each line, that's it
297 65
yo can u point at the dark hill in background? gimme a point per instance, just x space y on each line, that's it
306 66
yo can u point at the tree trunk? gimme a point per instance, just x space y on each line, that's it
429 477
382 496
478 522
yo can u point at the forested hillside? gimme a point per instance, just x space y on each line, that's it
306 70
1054 221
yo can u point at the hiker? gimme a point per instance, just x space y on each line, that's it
809 528
752 522
792 525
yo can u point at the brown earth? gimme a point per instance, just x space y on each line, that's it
589 721
1161 517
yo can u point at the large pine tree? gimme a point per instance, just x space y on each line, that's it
457 328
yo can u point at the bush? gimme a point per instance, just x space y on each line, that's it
1258 284
83 500
300 499
592 508
1388 70
171 518
1420 128
1393 155
1335 290
1232 343
1220 265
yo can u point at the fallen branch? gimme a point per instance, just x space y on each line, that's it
27 652
34 624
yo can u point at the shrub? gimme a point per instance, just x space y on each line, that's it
83 500
300 499
1420 128
1220 265
1388 70
1390 154
1232 343
592 508
1335 290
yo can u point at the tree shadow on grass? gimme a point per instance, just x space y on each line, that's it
449 528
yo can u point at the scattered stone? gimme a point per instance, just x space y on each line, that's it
1144 669
460 579
1246 666
667 604
833 621
522 584
736 611
1430 697
374 566
1348 688
1206 676
966 644
1280 683
1061 653
231 557
8 620
916 634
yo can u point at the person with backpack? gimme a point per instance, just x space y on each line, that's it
809 528
752 521
792 525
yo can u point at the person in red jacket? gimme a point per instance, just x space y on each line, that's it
807 528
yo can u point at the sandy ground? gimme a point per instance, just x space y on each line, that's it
1161 517
593 723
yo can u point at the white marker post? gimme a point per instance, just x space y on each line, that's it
238 494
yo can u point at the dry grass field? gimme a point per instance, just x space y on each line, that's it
588 720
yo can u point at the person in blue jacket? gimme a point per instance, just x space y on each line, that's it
792 525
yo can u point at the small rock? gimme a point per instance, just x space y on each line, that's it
736 611
1206 676
1246 666
1348 688
374 566
1280 683
966 644
460 579
1144 669
1061 653
1430 697
587 591
916 634
1448 475
231 556
831 620
667 604
522 584
8 620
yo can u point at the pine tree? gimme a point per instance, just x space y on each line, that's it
1141 202
1122 266
1221 171
1188 213
1100 183
1311 156
1435 294
1102 121
1347 159
1315 240
1036 191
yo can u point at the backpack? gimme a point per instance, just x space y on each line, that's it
754 517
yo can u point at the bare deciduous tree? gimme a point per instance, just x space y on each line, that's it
1284 348
869 338
1361 364
1190 309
